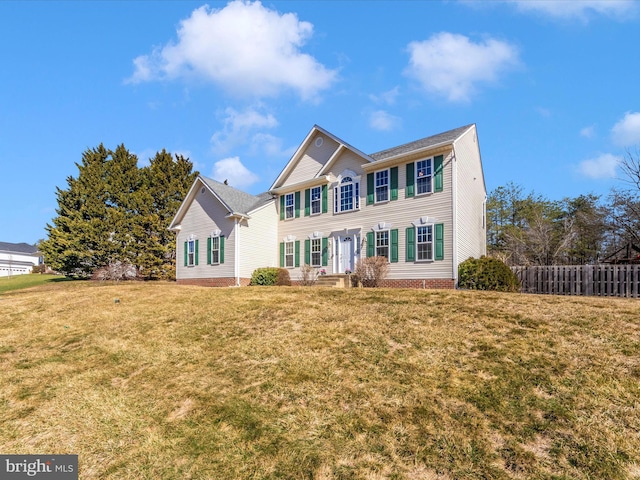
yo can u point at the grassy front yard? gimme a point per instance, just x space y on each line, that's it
157 381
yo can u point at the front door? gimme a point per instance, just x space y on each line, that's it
346 251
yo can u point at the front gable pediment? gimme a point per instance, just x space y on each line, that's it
314 159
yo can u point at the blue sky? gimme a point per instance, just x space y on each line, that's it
236 86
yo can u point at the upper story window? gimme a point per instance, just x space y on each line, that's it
289 206
347 194
424 176
316 200
382 186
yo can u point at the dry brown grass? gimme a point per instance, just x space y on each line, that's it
267 382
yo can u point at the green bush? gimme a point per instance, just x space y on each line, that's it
486 273
270 276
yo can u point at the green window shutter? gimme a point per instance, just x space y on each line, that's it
325 199
281 254
411 172
281 207
394 183
370 188
325 251
307 202
297 253
394 246
439 241
307 252
186 253
197 252
208 250
221 255
411 244
437 170
297 204
371 244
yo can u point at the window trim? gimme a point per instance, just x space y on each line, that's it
382 187
378 234
430 176
317 201
291 255
431 242
347 179
288 206
317 251
191 252
215 239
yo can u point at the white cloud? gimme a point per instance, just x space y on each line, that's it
389 97
581 9
232 170
452 65
239 126
626 132
588 132
603 166
270 145
244 47
384 121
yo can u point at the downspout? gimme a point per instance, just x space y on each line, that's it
454 214
236 255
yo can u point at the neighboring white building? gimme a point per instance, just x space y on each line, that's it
18 258
421 205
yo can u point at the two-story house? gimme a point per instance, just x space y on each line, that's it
421 205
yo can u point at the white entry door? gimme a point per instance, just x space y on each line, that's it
346 253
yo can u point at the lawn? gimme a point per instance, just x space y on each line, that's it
159 381
18 282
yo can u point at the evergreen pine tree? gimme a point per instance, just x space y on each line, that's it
78 240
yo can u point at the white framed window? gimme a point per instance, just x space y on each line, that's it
289 206
424 176
215 250
289 250
316 200
191 252
382 186
424 243
316 252
347 195
382 243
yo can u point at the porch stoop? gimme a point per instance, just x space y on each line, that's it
338 281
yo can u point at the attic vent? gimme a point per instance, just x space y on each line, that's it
319 141
202 191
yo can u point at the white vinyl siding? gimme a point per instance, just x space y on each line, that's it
205 215
471 196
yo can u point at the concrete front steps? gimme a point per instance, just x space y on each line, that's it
338 281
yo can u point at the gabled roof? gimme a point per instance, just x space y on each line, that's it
237 202
443 138
18 248
303 146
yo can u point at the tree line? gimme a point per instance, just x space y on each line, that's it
114 216
529 229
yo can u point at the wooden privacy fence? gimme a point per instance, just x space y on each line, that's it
599 280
